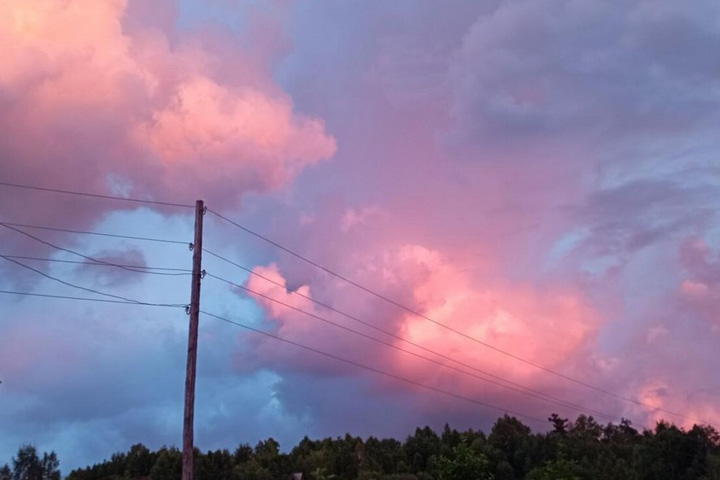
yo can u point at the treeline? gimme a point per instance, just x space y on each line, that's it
28 465
579 450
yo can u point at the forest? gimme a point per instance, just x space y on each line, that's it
569 450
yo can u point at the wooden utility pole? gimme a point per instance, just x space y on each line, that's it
188 447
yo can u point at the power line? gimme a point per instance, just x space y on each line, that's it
180 271
69 284
397 377
95 195
372 369
311 349
101 234
297 255
386 332
85 299
64 282
94 260
447 327
521 388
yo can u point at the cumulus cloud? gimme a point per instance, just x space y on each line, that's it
118 97
553 327
554 155
101 102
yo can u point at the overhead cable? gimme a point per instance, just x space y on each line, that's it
178 271
101 234
85 299
95 195
87 257
372 369
70 284
521 388
447 327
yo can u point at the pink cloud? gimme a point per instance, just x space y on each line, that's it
547 326
91 104
669 396
356 217
550 326
536 179
700 291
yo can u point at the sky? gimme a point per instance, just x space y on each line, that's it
532 183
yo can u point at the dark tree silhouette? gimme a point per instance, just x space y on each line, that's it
581 449
27 465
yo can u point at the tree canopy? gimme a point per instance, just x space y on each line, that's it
581 449
28 465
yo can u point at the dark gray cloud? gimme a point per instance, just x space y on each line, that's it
130 261
569 69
